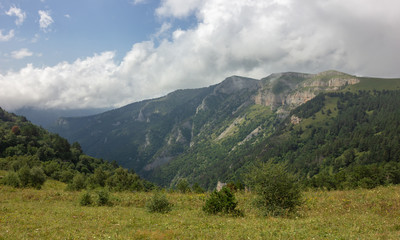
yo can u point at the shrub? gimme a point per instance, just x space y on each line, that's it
34 177
183 186
86 199
197 188
78 183
159 203
277 190
223 201
38 177
24 175
11 179
103 198
66 176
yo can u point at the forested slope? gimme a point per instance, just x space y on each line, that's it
32 154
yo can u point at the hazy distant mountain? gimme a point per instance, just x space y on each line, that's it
212 133
47 117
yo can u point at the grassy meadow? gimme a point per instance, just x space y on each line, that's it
52 213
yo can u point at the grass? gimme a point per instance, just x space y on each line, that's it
52 213
375 83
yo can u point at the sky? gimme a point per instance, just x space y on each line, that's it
107 53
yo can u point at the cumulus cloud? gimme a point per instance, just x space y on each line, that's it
251 38
45 19
22 53
6 37
178 8
14 11
79 84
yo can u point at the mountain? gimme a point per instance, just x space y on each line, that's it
213 133
47 117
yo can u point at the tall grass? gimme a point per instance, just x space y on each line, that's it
52 213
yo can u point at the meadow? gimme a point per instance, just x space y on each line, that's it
53 213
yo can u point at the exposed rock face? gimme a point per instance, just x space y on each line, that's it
298 98
251 135
285 91
295 119
220 185
229 130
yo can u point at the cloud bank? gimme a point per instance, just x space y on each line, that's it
232 37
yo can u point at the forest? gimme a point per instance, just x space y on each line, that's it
346 140
32 154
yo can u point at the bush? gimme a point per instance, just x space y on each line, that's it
183 186
86 199
34 177
78 183
38 177
66 176
277 190
159 203
223 201
11 179
197 188
103 198
24 175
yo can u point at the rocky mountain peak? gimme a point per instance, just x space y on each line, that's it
236 83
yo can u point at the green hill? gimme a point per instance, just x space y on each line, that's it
326 126
31 155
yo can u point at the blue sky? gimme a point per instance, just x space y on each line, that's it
77 29
107 53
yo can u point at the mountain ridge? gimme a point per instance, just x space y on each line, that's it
188 133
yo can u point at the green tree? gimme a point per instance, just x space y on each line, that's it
37 177
183 186
277 190
24 175
78 183
197 188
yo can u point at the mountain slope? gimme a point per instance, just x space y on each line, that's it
27 150
210 134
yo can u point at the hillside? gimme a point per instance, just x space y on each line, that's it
31 155
213 133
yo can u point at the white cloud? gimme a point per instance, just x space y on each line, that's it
82 83
232 37
178 8
7 37
22 53
45 19
14 11
67 16
163 31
